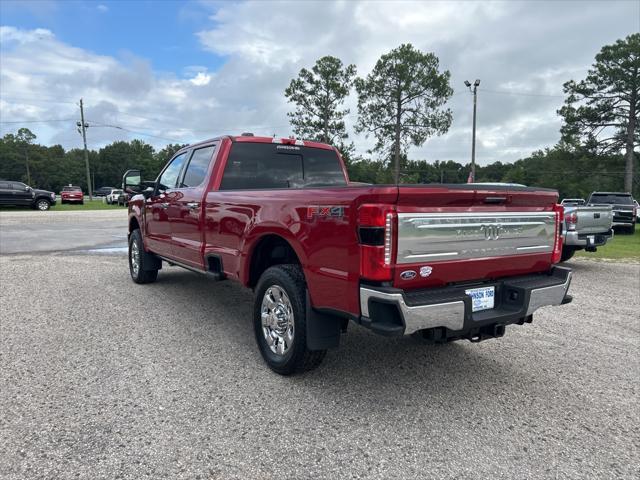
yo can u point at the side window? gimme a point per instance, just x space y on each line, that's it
169 177
198 167
4 186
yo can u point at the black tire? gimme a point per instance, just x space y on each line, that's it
42 204
632 229
297 358
139 275
567 253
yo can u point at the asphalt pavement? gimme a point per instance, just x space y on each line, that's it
103 378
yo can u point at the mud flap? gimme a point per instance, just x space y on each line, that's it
323 331
151 261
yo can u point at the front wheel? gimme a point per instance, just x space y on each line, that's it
43 204
280 323
140 272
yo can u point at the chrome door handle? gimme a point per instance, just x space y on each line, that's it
192 205
164 205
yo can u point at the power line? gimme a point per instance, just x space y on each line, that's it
523 94
35 100
39 121
118 127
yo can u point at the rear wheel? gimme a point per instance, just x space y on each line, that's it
567 253
280 323
140 272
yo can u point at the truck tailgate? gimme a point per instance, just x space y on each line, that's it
449 234
594 219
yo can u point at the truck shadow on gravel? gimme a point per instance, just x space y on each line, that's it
386 368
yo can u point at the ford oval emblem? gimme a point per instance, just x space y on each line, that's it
408 275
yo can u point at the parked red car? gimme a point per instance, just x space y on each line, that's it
71 194
444 262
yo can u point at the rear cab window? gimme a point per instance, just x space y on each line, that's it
612 198
258 166
71 189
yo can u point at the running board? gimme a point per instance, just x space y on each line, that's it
213 275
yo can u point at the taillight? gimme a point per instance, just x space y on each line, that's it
376 224
557 246
571 219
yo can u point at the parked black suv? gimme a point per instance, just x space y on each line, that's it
622 204
20 195
103 191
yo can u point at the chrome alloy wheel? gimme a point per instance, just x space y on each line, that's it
134 257
43 205
277 320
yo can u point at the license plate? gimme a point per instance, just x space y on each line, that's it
481 298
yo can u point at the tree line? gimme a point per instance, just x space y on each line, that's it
51 168
571 172
402 103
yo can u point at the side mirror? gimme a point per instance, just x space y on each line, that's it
132 181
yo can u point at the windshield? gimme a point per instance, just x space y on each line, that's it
70 189
271 165
612 198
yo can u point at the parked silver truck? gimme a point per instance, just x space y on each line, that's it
586 228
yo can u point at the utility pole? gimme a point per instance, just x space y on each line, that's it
476 84
26 156
83 129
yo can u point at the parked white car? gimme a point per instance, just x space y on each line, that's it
112 196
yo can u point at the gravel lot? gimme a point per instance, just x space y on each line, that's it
102 378
34 231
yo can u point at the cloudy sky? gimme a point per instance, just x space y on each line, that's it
185 71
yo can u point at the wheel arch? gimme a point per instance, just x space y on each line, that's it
266 251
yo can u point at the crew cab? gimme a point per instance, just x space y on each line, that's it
18 194
71 194
624 210
586 228
442 262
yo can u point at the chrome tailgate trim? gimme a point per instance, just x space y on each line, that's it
424 237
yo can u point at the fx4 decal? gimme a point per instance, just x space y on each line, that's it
325 211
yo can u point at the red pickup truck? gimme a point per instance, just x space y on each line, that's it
443 262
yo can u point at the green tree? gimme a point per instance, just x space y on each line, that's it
400 102
602 112
318 95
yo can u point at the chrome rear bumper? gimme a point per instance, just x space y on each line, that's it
394 312
573 238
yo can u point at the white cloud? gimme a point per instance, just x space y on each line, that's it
201 79
102 8
521 52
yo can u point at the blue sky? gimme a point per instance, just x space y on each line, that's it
162 32
168 71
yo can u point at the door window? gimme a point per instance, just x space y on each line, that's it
169 177
198 167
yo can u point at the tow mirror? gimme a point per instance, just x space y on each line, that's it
132 181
